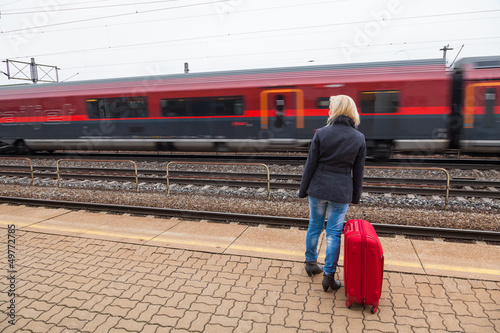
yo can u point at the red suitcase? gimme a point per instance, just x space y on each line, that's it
363 264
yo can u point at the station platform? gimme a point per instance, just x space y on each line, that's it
78 271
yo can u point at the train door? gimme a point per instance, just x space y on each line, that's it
481 116
281 112
379 120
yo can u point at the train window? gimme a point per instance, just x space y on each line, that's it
117 107
202 106
323 102
489 105
379 101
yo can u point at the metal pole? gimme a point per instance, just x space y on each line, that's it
34 71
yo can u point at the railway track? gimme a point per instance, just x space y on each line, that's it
394 185
290 159
275 221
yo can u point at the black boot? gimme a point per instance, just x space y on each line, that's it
313 268
330 282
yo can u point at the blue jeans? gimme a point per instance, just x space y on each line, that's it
334 225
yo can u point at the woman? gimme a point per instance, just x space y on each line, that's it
332 178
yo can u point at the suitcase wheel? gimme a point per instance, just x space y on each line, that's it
373 310
348 304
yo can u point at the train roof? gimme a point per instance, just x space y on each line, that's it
245 72
480 62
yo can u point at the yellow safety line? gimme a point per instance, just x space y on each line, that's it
463 269
266 250
261 249
403 263
187 242
81 231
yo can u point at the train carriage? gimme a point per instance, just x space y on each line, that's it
476 93
406 105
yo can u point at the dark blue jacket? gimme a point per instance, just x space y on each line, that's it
334 167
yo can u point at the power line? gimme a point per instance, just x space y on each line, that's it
58 4
229 35
181 17
116 15
266 53
219 1
6 12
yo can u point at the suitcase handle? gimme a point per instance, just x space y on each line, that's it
348 227
382 272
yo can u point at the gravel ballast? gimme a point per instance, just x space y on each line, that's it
469 213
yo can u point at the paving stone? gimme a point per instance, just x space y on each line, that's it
36 326
399 301
496 324
339 324
108 324
435 301
424 290
73 323
244 326
314 326
413 302
459 308
312 304
482 295
468 320
450 285
475 309
223 321
40 305
115 311
355 325
264 309
435 320
72 302
83 315
164 320
293 318
278 317
451 322
438 291
413 322
379 326
198 325
463 297
280 329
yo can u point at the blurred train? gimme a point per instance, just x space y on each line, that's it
414 105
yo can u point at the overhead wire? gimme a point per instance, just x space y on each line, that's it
250 33
6 12
290 51
173 18
206 37
181 17
220 1
116 15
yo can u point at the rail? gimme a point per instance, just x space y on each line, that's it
225 178
100 161
447 186
24 159
281 221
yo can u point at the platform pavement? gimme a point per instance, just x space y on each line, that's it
91 272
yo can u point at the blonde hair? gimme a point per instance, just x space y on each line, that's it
342 105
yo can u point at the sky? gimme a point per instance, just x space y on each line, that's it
97 39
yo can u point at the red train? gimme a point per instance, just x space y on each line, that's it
409 105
